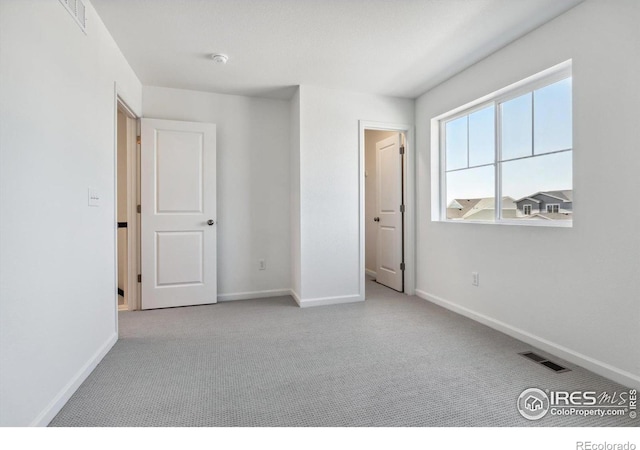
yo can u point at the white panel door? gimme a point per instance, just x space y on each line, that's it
178 199
389 216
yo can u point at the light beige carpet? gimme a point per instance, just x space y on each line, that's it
392 360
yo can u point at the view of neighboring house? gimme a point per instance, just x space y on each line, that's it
480 209
550 205
543 205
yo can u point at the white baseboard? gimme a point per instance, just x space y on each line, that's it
295 296
253 294
47 415
322 301
371 273
281 292
601 368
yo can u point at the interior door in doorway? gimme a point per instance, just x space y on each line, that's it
388 212
178 209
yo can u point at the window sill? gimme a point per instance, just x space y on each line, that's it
516 223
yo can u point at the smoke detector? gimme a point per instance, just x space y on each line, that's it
219 58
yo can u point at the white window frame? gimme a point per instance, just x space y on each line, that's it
557 205
524 209
438 155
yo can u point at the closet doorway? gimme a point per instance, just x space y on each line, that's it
127 201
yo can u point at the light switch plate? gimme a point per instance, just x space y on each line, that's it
94 197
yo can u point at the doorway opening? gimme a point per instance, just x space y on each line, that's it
387 206
384 207
127 201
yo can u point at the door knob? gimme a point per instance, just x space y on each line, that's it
210 222
376 219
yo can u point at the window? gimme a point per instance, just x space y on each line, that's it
508 157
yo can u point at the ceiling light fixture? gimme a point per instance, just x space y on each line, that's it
219 58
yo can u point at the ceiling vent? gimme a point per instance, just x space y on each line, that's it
78 11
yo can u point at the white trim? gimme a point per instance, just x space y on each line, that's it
497 98
126 109
410 242
295 296
549 223
46 416
601 368
409 201
438 206
371 273
524 209
540 79
133 228
497 169
323 301
116 101
138 255
119 101
132 299
253 294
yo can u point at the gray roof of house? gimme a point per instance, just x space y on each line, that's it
465 208
564 196
460 206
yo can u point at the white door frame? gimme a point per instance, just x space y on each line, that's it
409 196
132 201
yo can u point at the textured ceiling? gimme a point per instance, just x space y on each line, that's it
398 48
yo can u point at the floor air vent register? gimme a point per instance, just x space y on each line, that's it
557 368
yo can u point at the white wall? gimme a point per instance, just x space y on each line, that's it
371 137
253 143
329 188
57 255
587 310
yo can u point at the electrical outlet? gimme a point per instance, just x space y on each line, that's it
475 278
262 264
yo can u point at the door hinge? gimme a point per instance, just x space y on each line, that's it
138 140
139 278
139 209
401 208
402 149
401 266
